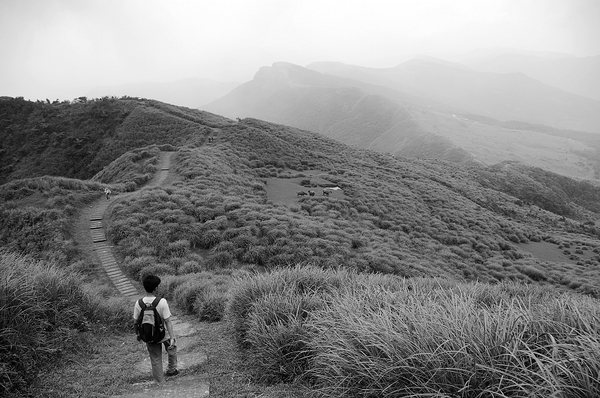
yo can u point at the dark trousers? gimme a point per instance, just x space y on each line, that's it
155 351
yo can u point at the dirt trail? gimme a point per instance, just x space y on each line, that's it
91 238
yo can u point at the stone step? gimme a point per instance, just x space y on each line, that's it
114 274
124 286
122 283
184 386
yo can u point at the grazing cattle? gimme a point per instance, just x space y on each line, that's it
302 193
326 192
311 193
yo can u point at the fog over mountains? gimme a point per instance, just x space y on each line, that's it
432 108
191 92
579 75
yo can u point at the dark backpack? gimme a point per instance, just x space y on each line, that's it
150 326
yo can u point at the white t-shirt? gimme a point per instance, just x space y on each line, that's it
162 308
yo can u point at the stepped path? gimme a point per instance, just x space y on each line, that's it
187 384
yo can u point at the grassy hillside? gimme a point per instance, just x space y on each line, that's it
401 216
397 215
78 139
232 211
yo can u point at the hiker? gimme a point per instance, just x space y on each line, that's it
155 337
107 192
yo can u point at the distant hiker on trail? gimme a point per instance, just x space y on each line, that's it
107 192
151 314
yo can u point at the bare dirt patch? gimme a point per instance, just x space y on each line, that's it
546 251
285 190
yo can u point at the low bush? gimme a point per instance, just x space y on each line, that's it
210 304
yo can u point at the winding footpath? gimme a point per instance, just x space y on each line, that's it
188 384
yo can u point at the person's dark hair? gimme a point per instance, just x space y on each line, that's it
150 282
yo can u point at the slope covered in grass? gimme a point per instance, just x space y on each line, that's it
399 216
78 139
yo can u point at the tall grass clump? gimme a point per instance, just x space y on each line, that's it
268 314
277 338
43 313
448 342
203 294
358 335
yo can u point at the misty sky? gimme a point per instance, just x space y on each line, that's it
61 49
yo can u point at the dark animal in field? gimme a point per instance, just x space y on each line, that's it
302 193
326 193
311 193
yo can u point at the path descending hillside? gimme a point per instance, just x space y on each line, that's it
95 243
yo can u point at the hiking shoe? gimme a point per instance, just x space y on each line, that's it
172 372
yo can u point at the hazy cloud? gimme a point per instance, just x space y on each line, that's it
64 48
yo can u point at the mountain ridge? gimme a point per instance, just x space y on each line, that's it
469 90
345 109
579 75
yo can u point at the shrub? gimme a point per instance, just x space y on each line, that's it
277 335
220 259
533 273
179 248
185 294
191 267
210 305
134 266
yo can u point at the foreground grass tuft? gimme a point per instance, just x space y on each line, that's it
44 313
418 337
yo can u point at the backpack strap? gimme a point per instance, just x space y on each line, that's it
142 304
156 301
